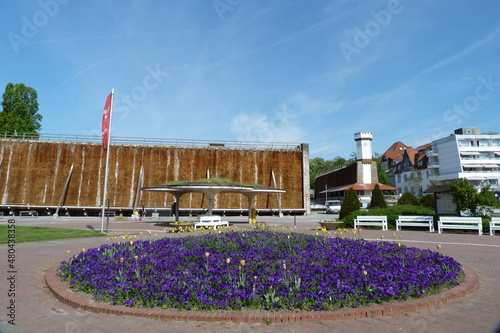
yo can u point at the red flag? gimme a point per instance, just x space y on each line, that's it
106 116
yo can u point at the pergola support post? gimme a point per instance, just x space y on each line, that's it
177 201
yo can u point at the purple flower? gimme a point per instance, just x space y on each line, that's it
267 270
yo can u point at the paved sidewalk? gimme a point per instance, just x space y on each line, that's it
38 311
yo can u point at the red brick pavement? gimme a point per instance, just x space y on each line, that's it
37 310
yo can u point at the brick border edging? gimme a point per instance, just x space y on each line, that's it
68 297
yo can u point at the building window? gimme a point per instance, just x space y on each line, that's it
482 143
475 182
485 156
463 143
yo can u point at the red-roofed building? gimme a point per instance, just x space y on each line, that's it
393 155
412 174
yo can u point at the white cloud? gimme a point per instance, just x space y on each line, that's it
258 127
292 121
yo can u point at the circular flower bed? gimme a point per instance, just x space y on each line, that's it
258 270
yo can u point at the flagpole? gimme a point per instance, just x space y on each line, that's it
104 197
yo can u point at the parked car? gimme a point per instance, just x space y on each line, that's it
333 206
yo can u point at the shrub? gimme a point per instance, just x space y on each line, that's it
408 198
378 200
428 201
392 213
349 204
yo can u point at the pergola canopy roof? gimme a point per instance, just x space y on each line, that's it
209 187
212 187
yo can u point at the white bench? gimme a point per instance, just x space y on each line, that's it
460 222
415 221
210 221
371 221
494 225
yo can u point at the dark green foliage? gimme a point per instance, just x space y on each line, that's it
383 178
428 201
466 197
392 213
319 166
20 110
487 197
408 198
350 204
378 200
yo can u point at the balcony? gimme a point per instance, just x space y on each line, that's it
433 165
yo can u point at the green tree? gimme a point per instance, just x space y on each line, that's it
415 181
428 201
319 166
350 204
20 110
378 200
408 198
466 197
383 178
487 200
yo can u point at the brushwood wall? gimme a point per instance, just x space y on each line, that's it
47 174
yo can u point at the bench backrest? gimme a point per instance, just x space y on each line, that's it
460 219
416 218
214 218
372 218
495 219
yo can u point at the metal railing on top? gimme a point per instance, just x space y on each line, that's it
147 141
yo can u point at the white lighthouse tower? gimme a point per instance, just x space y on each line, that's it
364 156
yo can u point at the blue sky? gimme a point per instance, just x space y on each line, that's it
312 71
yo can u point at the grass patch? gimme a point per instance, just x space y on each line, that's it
33 234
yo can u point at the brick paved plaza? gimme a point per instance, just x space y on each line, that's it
37 310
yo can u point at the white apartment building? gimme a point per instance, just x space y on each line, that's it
467 154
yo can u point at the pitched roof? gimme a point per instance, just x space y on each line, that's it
395 151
